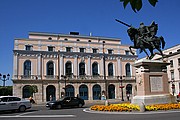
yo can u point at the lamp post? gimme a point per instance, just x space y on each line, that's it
121 86
4 78
64 76
104 65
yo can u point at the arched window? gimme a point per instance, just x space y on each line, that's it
68 68
83 92
128 70
27 91
27 68
110 69
50 68
81 68
96 92
95 69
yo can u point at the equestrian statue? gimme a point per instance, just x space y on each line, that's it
144 38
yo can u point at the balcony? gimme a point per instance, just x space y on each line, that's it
69 77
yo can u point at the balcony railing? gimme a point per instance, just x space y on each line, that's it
70 77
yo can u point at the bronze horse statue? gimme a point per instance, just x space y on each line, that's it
145 38
143 44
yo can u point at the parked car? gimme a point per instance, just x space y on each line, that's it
13 103
65 102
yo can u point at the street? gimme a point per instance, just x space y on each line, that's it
40 112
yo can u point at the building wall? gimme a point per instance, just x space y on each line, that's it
40 56
173 54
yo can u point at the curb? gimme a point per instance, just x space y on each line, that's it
132 113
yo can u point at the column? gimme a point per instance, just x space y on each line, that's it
119 67
101 66
75 65
15 64
39 66
61 65
89 66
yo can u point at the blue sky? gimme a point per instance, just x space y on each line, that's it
18 17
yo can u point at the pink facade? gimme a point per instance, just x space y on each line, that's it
86 65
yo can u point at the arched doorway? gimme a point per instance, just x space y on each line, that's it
96 92
50 93
69 91
83 92
27 91
111 91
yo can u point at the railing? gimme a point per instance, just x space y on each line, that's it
70 77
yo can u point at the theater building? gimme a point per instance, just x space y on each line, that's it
48 66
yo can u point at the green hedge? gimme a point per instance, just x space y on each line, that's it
5 90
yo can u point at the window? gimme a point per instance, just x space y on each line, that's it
127 52
95 50
50 68
128 70
89 40
81 69
95 69
178 50
171 63
50 48
172 75
110 51
77 40
179 61
66 39
170 52
68 68
110 69
82 50
68 49
29 47
27 68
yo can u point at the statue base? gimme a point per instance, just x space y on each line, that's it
153 99
152 83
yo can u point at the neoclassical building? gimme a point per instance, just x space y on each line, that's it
173 70
49 66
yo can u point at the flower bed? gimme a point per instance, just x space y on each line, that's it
127 107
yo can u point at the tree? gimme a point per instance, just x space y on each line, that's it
136 5
5 90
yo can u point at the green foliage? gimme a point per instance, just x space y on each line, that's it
136 5
5 90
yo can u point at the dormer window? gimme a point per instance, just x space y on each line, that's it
89 40
51 48
171 63
77 40
68 49
66 39
127 52
110 51
29 47
82 50
95 50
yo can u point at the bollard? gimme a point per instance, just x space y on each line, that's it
106 102
142 107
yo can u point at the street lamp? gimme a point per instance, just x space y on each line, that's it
121 86
4 78
64 76
104 65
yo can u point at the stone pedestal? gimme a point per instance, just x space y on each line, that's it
152 83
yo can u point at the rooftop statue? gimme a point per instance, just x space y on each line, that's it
144 38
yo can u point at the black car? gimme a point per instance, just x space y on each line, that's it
65 102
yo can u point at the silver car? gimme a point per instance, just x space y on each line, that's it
14 104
